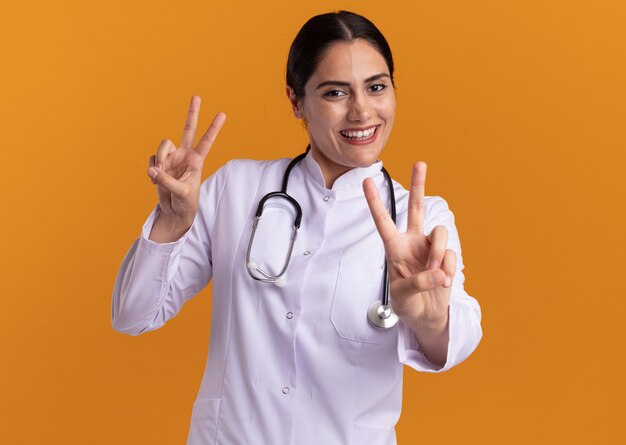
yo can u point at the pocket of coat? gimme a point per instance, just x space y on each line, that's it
364 435
357 288
204 417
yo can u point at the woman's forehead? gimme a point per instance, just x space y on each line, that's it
350 61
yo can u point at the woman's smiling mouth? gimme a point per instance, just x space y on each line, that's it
361 136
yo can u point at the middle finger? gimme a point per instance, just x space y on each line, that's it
415 221
189 132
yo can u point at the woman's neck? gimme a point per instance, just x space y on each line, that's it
330 170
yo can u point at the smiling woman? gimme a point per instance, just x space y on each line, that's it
293 358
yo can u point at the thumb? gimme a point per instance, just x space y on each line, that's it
420 282
161 178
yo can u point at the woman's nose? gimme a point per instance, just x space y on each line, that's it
360 108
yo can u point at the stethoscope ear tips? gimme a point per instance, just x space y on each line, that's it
253 266
280 282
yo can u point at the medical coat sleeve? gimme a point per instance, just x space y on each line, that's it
156 279
465 315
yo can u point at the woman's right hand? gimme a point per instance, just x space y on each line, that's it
177 173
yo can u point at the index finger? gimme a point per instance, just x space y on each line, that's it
384 224
205 143
415 221
189 132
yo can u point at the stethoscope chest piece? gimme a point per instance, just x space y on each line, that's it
381 315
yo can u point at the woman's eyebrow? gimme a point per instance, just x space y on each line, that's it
347 84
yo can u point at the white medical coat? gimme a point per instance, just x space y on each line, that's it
299 364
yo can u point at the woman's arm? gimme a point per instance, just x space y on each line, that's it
156 279
171 261
439 321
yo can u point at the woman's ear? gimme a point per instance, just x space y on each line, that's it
295 102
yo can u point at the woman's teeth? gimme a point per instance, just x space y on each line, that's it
358 134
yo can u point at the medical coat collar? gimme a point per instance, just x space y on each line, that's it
348 185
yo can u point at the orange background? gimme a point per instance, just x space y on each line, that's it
517 106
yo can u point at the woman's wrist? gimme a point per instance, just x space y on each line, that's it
433 337
167 229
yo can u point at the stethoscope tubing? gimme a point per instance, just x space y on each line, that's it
392 212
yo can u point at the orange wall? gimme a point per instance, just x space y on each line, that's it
517 106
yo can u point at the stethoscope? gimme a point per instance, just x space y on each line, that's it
379 314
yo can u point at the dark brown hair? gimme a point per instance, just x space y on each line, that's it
319 33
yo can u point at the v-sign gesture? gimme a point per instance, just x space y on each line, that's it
178 173
421 268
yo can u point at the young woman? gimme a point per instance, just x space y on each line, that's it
307 345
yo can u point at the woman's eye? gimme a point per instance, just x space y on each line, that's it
334 93
378 87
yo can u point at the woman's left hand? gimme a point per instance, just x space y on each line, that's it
421 268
